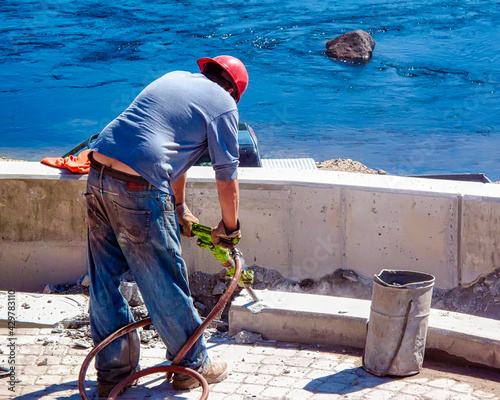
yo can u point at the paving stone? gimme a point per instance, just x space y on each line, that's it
298 362
273 360
284 372
72 360
378 394
442 383
32 350
480 394
26 389
462 388
233 397
27 380
462 396
271 369
34 370
317 373
236 377
394 385
436 394
47 380
275 392
250 389
415 389
282 381
306 384
248 368
403 396
326 396
296 394
225 387
331 387
26 359
327 365
296 372
259 350
57 351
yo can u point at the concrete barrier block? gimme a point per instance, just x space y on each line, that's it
302 318
402 231
480 242
29 266
316 232
42 209
329 320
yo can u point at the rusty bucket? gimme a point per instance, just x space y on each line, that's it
397 328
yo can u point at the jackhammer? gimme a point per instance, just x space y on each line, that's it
203 233
231 260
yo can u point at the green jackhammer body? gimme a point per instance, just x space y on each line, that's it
204 240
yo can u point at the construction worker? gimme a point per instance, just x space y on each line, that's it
136 207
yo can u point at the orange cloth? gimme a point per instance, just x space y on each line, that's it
79 164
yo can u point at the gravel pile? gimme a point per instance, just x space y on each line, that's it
347 165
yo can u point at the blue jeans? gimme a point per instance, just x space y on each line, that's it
134 227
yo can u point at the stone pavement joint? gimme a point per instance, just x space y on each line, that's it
268 370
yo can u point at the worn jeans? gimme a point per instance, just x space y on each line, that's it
134 227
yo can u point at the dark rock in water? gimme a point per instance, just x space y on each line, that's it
355 45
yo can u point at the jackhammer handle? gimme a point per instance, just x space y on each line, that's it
206 230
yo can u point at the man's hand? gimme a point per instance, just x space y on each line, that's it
220 237
186 219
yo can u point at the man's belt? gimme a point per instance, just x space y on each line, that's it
116 174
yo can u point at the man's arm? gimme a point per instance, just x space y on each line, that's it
179 188
229 197
184 215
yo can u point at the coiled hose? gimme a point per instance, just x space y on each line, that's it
173 367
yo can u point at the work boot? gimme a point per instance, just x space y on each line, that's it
104 389
218 371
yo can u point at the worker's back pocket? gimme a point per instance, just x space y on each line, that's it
132 225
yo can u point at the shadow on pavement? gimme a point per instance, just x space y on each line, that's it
345 382
54 389
135 393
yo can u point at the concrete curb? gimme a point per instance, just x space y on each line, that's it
316 319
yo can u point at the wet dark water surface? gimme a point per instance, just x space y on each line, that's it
428 102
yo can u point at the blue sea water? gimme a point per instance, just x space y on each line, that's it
428 101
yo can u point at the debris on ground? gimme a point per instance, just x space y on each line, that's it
131 293
246 337
482 298
148 335
76 322
85 281
347 165
82 344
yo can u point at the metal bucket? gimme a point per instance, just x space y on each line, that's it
397 328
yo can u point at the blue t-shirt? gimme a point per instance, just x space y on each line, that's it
169 126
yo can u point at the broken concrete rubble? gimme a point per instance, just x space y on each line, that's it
246 337
131 293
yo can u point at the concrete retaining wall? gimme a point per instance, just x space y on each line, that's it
305 224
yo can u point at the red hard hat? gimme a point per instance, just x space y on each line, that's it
233 67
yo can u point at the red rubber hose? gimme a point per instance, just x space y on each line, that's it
173 368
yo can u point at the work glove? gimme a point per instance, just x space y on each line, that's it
221 238
186 219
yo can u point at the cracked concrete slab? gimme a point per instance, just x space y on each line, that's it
41 310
